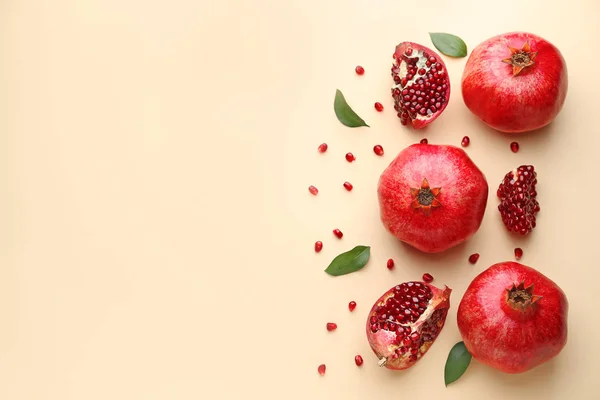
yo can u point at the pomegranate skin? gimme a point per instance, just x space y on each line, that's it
515 103
463 197
509 339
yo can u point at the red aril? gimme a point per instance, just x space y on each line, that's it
515 82
318 246
427 277
404 322
321 369
331 326
352 305
513 318
518 253
421 85
379 107
358 360
473 258
432 197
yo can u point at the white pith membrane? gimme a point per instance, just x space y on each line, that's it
402 70
393 353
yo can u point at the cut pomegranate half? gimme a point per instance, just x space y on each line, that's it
421 88
405 321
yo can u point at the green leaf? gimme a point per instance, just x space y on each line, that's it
350 261
457 363
448 44
345 113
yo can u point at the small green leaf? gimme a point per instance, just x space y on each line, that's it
350 261
457 363
345 113
448 44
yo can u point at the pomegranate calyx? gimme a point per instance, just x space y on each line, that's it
520 58
520 297
425 197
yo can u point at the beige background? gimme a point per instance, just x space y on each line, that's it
156 227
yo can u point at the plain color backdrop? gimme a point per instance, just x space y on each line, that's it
157 231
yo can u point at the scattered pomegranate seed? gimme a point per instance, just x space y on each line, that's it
359 70
350 157
322 147
378 150
348 186
313 190
424 141
518 253
318 246
338 233
427 277
331 326
352 305
379 106
514 146
465 141
390 264
358 360
321 369
473 258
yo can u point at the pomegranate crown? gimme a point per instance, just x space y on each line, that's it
425 197
520 58
520 297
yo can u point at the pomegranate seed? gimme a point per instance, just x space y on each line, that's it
322 147
465 141
378 150
338 233
358 360
390 264
352 305
321 369
350 157
313 190
514 146
348 186
379 106
518 253
473 258
318 246
427 277
359 70
331 326
424 141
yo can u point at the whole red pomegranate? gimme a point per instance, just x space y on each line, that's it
513 318
405 321
421 86
515 82
432 197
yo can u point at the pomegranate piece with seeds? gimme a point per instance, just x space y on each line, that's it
404 322
421 87
518 204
